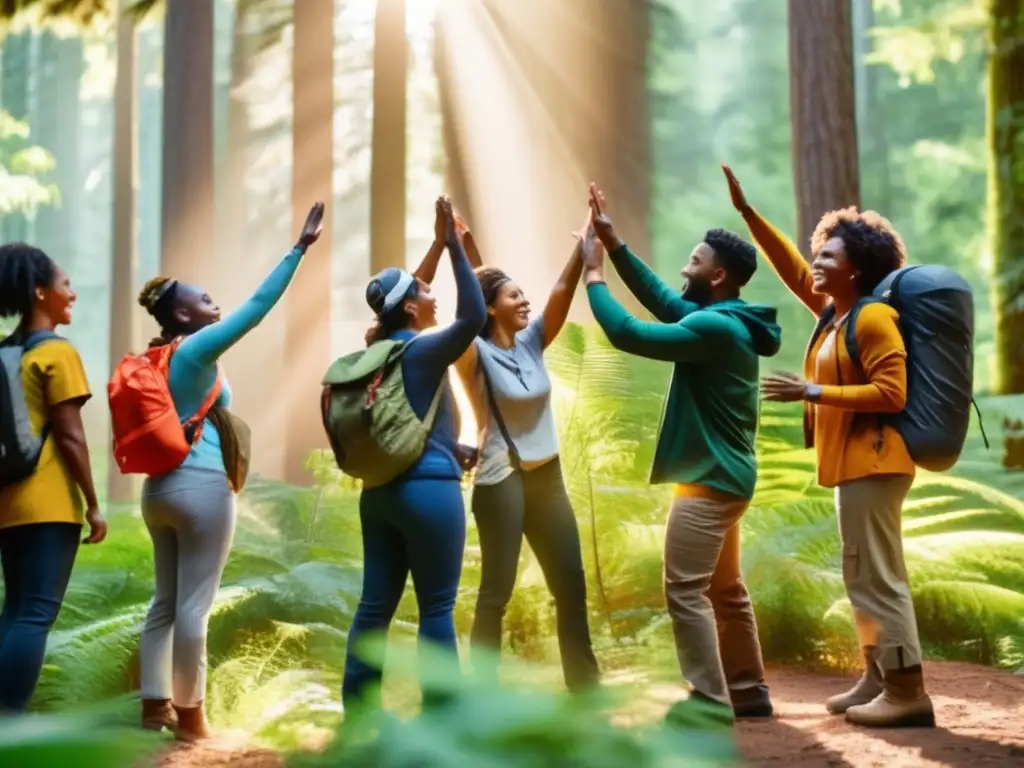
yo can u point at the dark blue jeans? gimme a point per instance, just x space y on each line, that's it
419 527
37 561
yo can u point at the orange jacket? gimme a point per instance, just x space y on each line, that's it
843 424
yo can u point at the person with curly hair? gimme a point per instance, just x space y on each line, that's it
190 511
859 455
705 447
41 515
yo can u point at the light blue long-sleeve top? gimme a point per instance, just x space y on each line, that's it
193 368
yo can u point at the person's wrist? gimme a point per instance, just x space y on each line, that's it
593 275
812 393
612 243
302 245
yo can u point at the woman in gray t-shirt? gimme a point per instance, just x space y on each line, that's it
518 488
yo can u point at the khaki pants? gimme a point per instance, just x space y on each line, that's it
874 572
704 588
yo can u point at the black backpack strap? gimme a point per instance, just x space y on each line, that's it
34 339
513 454
824 319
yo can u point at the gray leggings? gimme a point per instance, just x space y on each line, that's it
190 514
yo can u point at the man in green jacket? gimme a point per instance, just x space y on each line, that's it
705 447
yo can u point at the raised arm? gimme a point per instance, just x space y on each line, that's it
884 359
784 257
650 290
560 300
697 337
446 346
656 296
206 346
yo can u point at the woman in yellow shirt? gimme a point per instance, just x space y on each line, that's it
861 457
41 516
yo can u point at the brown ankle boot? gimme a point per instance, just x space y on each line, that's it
191 723
867 688
157 714
903 703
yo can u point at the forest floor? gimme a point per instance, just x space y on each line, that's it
980 714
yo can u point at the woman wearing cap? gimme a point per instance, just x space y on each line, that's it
417 523
518 488
190 511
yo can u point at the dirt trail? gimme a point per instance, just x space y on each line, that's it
980 715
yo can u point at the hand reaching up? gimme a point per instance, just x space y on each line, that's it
739 200
313 226
601 223
439 220
451 234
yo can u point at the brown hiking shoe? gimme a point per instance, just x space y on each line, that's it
902 704
191 723
157 714
866 689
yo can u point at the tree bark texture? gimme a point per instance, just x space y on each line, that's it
308 301
823 109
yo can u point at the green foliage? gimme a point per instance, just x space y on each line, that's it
80 740
483 725
23 170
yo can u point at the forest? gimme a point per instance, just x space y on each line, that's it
143 138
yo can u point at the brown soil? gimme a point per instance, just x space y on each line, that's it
980 714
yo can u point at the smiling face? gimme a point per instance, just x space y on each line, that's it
422 308
702 274
831 269
57 299
511 309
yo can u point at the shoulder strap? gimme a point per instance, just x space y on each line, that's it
513 454
826 317
850 335
435 403
36 338
193 426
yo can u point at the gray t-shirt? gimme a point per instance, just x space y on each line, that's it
522 389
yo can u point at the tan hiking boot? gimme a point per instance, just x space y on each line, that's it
902 704
866 689
157 714
191 724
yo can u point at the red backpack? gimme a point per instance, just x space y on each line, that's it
149 438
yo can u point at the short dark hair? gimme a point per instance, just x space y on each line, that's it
872 244
491 279
734 254
23 268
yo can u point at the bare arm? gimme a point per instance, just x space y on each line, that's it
69 435
559 302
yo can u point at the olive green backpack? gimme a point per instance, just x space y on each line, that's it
373 431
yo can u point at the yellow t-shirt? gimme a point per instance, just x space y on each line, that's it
51 373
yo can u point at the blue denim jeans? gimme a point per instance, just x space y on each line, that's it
417 526
37 561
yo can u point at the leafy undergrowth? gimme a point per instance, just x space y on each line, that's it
277 636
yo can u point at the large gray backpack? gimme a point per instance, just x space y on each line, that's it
936 308
19 446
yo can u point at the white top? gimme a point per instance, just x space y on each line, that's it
522 389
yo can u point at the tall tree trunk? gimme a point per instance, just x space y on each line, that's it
124 265
14 83
60 65
1005 133
823 109
187 206
308 331
1006 187
387 162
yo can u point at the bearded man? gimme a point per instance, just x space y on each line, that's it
705 448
